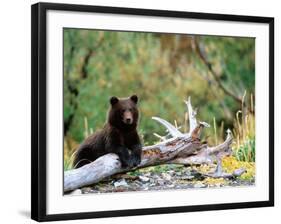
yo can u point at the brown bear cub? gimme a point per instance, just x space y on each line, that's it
119 135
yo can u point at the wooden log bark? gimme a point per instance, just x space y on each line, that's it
182 148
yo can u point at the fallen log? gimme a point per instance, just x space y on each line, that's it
180 148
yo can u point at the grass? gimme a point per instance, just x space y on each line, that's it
69 148
244 131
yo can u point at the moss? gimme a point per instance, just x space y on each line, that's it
231 163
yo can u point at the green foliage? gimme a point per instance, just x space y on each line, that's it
244 131
162 69
234 58
67 164
246 151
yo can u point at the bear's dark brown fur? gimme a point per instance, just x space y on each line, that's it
119 136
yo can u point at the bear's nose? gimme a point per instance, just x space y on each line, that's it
128 120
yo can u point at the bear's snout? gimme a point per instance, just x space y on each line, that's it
128 117
128 121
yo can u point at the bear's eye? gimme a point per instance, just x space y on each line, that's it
130 109
123 110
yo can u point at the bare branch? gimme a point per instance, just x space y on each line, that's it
220 174
171 129
222 148
192 115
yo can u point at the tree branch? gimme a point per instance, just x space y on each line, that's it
202 55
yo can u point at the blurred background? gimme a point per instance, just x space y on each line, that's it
218 73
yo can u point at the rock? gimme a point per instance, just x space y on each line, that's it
239 172
178 173
121 183
148 174
197 175
187 177
160 182
166 176
151 180
137 182
76 192
199 185
144 179
171 172
86 190
120 189
145 188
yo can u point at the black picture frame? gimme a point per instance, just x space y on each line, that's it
39 122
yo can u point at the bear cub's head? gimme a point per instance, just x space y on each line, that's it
123 113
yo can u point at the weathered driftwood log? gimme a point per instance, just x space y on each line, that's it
181 148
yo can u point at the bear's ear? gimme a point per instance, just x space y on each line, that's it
114 100
134 98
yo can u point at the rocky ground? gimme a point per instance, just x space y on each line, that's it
163 177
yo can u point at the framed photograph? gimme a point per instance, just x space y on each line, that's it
140 111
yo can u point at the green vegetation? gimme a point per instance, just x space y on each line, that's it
163 70
244 131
